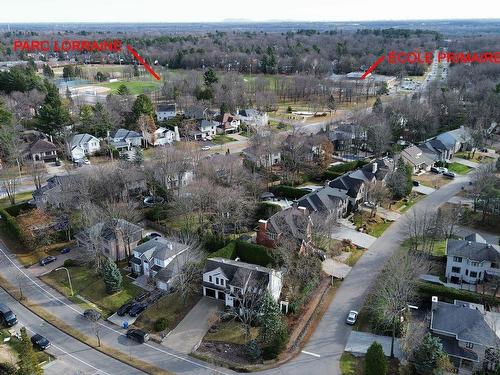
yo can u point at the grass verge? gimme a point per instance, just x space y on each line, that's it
92 342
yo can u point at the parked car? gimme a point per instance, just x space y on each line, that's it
40 342
136 309
47 260
415 183
206 148
92 315
58 163
7 317
442 169
449 174
352 317
154 235
125 308
138 335
484 149
66 250
321 255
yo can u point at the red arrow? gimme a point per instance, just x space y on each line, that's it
374 65
141 60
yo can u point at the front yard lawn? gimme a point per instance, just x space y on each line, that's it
354 257
231 332
478 157
373 226
351 365
20 197
404 205
221 139
458 168
433 180
170 308
91 287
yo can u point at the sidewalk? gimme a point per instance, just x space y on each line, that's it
111 336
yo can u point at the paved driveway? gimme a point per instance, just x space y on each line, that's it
359 239
38 270
359 342
426 190
193 327
466 162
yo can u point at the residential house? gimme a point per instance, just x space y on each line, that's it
116 238
327 200
42 150
265 160
293 223
347 137
418 159
161 136
471 260
165 111
226 279
253 117
228 123
124 139
160 260
466 334
57 189
79 146
205 129
448 143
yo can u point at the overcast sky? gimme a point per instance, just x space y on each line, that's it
253 10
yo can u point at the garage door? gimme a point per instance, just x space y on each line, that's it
210 292
221 296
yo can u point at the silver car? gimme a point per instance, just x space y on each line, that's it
352 317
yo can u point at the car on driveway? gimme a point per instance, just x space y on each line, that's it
415 183
449 174
138 335
352 317
40 342
153 235
125 308
136 309
206 148
47 260
484 150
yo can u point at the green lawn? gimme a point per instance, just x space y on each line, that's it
478 158
350 365
221 139
374 226
91 286
135 87
231 332
354 257
439 248
21 197
170 307
458 168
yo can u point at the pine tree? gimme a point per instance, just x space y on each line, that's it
273 333
123 90
429 356
377 106
53 115
142 106
112 276
375 360
210 77
28 364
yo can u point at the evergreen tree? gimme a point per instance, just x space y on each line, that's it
47 71
142 106
101 121
430 359
69 71
5 115
7 369
123 90
210 77
139 156
86 117
273 332
377 106
399 182
28 364
376 362
53 115
112 276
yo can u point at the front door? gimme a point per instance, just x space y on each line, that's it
146 268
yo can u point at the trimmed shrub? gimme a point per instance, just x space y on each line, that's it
161 324
16 209
11 224
347 167
255 254
266 209
288 192
213 243
228 251
157 213
375 360
70 263
449 294
252 350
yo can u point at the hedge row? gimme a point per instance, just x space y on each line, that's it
10 224
247 252
450 294
347 167
17 208
266 209
288 192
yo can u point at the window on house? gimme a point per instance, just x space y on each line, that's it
210 278
466 272
469 345
473 274
217 280
457 259
494 265
474 264
455 269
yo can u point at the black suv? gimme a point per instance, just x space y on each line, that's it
7 316
47 260
40 342
125 308
136 309
138 335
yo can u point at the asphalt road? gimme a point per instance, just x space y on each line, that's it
328 341
111 335
72 356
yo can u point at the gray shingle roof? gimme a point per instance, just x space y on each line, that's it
78 140
159 248
42 145
237 272
477 251
123 134
464 321
291 220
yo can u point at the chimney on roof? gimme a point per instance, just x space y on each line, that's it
262 225
489 246
374 167
469 243
302 209
237 259
434 299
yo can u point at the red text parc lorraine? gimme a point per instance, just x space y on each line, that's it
67 45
